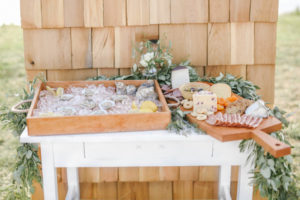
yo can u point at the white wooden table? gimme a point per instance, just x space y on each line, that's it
137 149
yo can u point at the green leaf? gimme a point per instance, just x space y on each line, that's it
28 154
271 162
265 172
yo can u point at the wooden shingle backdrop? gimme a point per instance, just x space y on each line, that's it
77 39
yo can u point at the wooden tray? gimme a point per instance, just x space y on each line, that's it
96 123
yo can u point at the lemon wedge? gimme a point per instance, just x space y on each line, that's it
59 91
149 105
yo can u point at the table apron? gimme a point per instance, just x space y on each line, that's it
135 153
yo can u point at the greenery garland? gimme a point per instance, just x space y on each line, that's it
273 177
27 167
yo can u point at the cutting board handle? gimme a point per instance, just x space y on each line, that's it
271 144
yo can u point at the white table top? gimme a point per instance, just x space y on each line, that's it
160 135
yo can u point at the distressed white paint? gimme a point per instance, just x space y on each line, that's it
148 148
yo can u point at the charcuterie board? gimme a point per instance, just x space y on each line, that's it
260 134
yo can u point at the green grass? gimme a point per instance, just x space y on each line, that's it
287 93
287 78
12 80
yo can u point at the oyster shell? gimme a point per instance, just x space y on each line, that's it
130 90
107 104
121 88
89 104
146 93
88 92
67 111
66 97
119 98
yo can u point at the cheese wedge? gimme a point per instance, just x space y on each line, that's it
222 90
205 102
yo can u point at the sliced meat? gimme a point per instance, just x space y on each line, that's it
234 120
219 118
212 120
257 123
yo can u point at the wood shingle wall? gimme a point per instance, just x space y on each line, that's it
77 39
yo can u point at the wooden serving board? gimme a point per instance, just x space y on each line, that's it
59 125
259 134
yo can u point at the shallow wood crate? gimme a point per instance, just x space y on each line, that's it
97 123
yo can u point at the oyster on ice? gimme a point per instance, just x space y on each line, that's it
107 104
130 90
121 88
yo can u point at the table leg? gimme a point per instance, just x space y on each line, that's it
73 184
224 182
49 172
245 189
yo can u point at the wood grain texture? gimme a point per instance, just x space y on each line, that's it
53 13
125 71
242 43
109 174
237 70
133 190
31 13
263 76
188 41
81 48
206 190
103 47
108 72
93 13
265 43
219 51
240 10
138 12
105 191
129 174
189 11
183 190
233 190
73 13
264 10
270 144
169 173
214 71
31 74
47 48
62 191
149 174
125 40
160 191
114 13
209 173
89 175
200 70
160 11
219 10
71 75
86 190
189 173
